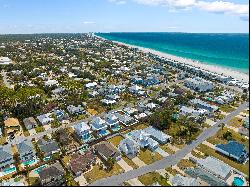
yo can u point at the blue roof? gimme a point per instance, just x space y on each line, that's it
232 147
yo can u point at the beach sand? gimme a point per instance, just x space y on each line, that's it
215 69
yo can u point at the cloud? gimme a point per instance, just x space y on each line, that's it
89 22
118 2
223 7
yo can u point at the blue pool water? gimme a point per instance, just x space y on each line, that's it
37 171
238 181
30 162
9 170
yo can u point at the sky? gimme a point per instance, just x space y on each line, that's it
80 16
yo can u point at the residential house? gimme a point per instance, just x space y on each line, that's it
99 125
158 135
179 180
112 120
129 147
75 109
125 119
105 150
199 84
83 130
234 150
6 157
130 111
45 119
60 115
203 105
12 125
48 148
190 111
30 123
143 139
26 151
79 163
66 140
91 85
50 83
216 167
246 122
52 175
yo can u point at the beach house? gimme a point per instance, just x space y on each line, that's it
129 147
158 135
234 150
99 125
6 157
26 151
199 84
83 130
30 123
143 139
52 175
75 109
203 105
5 61
45 119
112 121
106 151
48 148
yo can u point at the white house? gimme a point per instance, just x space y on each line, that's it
199 84
83 130
135 89
75 109
5 61
188 110
51 82
45 119
98 124
91 85
129 147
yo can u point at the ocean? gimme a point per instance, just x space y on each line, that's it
225 50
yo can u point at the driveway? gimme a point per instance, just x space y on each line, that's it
161 152
124 165
138 162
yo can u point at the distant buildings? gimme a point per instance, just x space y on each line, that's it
5 61
199 84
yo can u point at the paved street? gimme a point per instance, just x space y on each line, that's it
171 160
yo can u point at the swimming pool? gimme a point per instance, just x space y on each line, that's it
238 181
9 170
37 171
29 162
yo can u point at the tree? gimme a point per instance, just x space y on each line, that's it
110 163
227 135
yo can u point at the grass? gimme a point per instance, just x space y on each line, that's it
148 157
140 126
39 129
33 181
209 151
172 171
167 149
26 133
2 140
126 184
115 140
236 122
130 162
153 177
227 108
184 163
198 154
218 138
96 173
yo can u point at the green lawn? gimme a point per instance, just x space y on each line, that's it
2 140
172 171
211 152
115 140
167 149
227 108
218 138
96 173
39 129
236 122
153 177
198 154
184 163
148 157
130 162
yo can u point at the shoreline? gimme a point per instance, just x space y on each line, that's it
215 69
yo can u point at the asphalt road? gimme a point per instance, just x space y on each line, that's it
170 160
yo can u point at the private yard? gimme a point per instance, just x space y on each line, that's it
218 138
2 140
39 129
140 126
115 140
148 157
227 108
167 149
97 173
172 171
211 152
198 154
153 177
235 122
130 162
185 163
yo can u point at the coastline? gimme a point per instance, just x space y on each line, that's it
215 69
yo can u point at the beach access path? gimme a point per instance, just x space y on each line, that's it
171 160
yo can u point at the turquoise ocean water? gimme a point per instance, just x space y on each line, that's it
226 50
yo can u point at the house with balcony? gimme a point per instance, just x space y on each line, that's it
99 126
83 131
27 153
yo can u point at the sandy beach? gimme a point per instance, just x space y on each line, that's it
216 69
